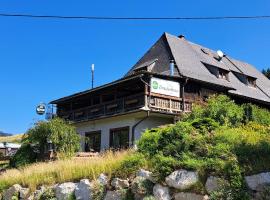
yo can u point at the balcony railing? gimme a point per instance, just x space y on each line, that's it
105 109
168 105
159 104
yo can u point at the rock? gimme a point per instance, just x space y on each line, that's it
141 187
256 182
118 183
13 191
65 190
263 194
24 192
102 179
38 193
83 190
182 179
146 174
114 195
189 196
213 184
161 193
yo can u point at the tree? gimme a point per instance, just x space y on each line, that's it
266 72
60 133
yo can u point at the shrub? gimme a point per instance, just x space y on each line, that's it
98 192
162 166
259 115
48 195
130 165
23 156
63 136
34 144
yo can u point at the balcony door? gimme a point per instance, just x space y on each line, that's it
119 138
92 141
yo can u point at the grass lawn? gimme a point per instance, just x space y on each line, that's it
48 173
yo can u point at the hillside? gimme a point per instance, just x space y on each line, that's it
220 151
12 138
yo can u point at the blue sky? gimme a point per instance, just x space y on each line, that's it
41 60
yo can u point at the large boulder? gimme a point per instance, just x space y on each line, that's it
114 195
118 183
146 174
13 191
257 181
83 190
213 184
102 179
65 190
182 179
189 196
161 193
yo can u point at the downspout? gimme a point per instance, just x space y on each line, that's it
183 93
135 125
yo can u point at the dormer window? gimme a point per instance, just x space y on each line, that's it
218 72
222 74
247 80
251 81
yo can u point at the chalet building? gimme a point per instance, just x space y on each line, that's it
172 75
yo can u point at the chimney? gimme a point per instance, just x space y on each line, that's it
171 67
181 36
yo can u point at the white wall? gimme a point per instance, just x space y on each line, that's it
104 125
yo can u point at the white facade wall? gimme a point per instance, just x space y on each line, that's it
104 125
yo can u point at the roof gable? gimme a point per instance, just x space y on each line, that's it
191 60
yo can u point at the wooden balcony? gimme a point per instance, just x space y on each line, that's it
156 103
169 105
105 109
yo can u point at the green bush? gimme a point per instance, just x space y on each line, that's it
220 138
25 155
130 165
35 142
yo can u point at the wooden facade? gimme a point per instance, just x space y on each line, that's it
125 97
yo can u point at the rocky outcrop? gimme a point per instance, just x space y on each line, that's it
12 192
182 179
65 190
118 183
161 192
83 190
24 192
141 187
114 195
256 182
213 184
102 179
146 174
189 196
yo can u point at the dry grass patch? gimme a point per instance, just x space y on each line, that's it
63 170
13 138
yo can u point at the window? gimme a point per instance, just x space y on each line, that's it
222 74
119 138
93 141
251 81
247 80
219 73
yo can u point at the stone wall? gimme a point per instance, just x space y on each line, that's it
179 185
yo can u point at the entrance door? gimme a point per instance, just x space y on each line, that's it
119 138
92 141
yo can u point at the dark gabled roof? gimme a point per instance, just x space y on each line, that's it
191 60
